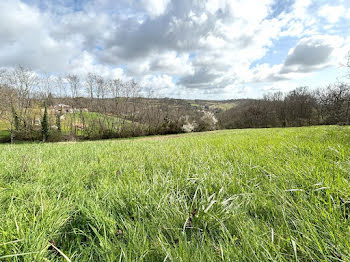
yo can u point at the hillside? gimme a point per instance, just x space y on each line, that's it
234 195
114 118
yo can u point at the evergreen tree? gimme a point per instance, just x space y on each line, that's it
58 123
45 126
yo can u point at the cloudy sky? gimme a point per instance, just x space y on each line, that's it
212 49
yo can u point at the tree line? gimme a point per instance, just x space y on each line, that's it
299 107
42 107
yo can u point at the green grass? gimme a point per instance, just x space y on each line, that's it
91 119
4 133
91 116
260 195
223 106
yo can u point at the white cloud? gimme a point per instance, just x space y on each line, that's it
162 84
332 13
347 15
300 8
26 39
265 72
86 63
198 48
283 86
310 55
171 63
155 7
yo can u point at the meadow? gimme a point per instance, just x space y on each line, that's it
3 130
233 195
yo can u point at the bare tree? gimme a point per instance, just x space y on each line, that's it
300 104
23 80
60 86
335 101
46 86
73 82
135 95
91 87
115 87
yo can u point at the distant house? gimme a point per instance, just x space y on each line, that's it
37 122
63 109
79 126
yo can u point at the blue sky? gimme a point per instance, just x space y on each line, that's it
210 49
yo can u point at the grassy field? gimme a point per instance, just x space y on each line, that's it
3 130
241 195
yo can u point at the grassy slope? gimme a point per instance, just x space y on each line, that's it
268 194
3 129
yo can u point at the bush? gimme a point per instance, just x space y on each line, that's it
27 135
55 136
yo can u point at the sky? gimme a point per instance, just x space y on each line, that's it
198 49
